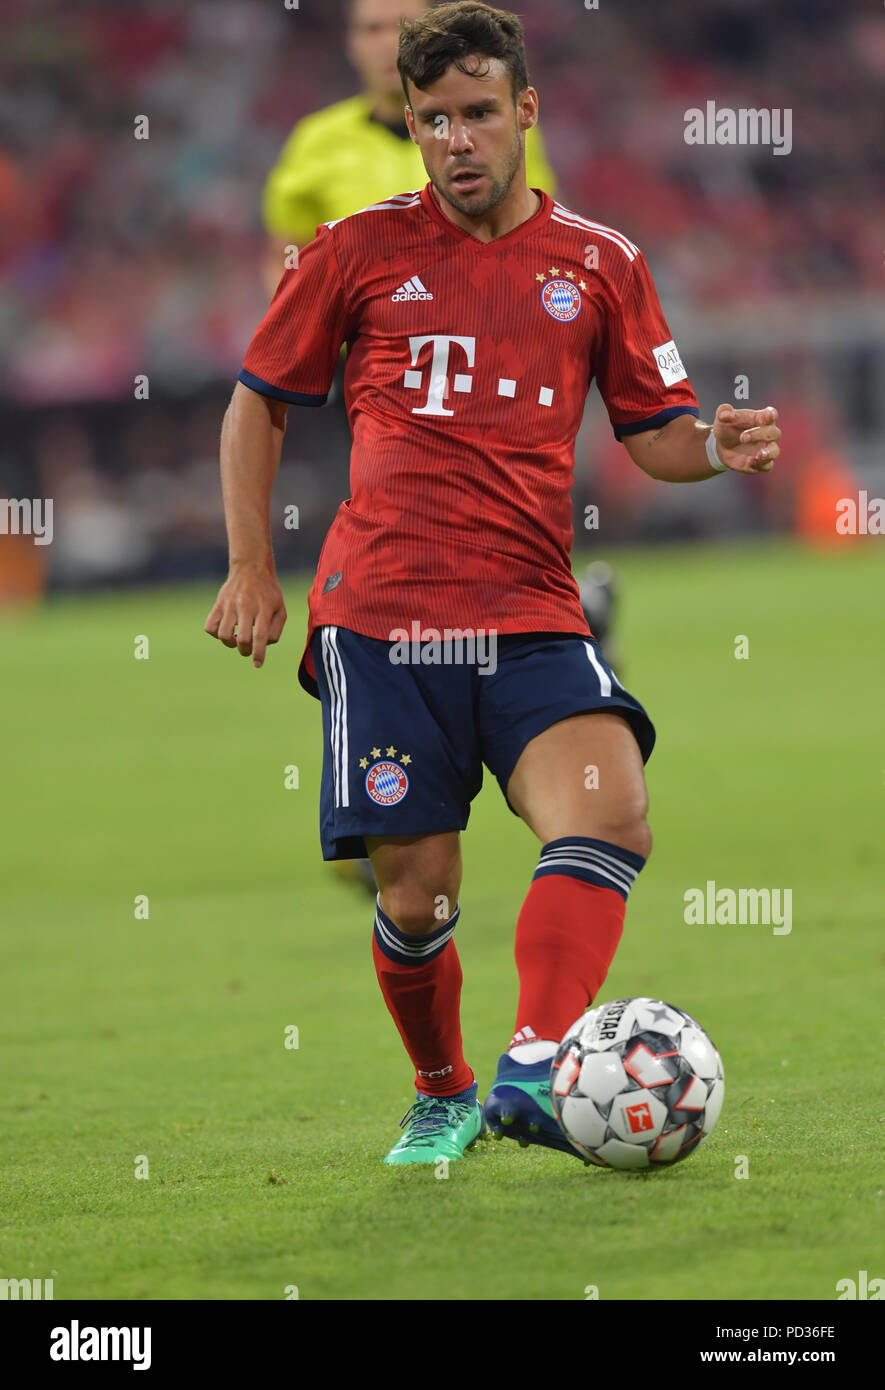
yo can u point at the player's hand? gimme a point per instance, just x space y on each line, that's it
249 613
746 440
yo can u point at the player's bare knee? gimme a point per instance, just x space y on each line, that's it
419 880
417 910
633 833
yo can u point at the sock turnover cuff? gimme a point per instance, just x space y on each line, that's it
592 861
411 950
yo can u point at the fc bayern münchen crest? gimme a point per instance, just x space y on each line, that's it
387 783
562 300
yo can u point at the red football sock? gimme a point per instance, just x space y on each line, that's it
566 937
425 1004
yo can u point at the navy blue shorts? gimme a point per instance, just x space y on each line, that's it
405 744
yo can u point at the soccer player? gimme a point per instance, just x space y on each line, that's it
445 628
353 153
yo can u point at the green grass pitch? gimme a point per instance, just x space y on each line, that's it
126 1039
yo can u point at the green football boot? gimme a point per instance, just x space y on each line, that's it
438 1127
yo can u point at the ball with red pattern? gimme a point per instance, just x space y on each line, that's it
636 1083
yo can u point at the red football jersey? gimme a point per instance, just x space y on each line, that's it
468 363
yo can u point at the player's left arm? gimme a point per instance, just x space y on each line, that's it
746 442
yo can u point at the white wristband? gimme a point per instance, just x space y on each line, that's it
712 454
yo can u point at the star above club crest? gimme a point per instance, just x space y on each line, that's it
406 759
583 284
391 752
364 762
375 753
569 275
540 277
553 270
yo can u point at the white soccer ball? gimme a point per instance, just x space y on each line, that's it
636 1083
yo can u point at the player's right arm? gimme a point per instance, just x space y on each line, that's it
249 613
291 360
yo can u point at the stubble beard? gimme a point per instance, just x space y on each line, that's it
471 207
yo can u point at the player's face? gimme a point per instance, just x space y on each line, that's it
373 39
471 134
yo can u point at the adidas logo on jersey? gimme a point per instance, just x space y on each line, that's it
412 289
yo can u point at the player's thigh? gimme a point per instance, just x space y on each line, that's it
566 741
583 776
418 877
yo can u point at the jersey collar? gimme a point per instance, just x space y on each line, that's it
524 229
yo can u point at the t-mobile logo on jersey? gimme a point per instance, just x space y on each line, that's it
439 372
439 375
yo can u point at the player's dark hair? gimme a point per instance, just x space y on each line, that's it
450 34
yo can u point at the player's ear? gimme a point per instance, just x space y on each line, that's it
410 122
527 108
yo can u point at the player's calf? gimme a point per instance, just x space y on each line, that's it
566 936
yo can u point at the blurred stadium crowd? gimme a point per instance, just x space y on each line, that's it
121 257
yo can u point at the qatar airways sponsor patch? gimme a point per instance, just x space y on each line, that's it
669 363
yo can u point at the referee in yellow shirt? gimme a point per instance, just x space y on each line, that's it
358 151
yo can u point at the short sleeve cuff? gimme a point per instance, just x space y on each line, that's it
265 388
652 422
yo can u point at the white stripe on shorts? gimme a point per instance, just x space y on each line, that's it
337 680
605 680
